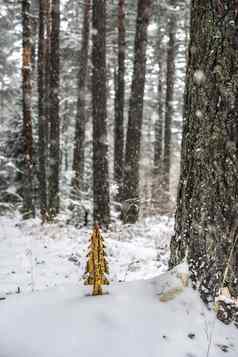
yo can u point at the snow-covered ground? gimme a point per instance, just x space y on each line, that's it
146 313
158 317
34 257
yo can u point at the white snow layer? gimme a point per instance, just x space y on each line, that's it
35 257
147 318
158 317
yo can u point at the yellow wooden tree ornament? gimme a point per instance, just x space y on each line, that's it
97 265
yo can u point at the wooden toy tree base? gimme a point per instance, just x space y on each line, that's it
97 290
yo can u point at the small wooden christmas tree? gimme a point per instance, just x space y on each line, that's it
97 265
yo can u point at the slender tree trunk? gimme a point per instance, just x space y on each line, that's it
120 99
78 159
135 116
28 207
47 78
35 9
100 145
54 155
158 149
171 54
157 188
42 109
206 219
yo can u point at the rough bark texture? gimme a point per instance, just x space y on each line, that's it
28 207
100 145
35 19
206 227
42 100
78 159
120 99
157 188
171 54
135 116
54 154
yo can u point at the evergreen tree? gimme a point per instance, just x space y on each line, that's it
101 195
54 152
206 224
135 116
42 104
157 189
28 207
120 98
170 82
80 123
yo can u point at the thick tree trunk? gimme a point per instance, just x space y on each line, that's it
100 145
171 54
133 141
78 159
206 219
120 99
54 154
42 109
28 207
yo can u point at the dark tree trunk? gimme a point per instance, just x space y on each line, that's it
159 124
54 154
120 99
206 219
65 131
47 77
135 116
100 145
28 207
78 159
171 54
35 9
42 109
158 149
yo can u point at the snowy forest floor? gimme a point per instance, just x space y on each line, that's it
34 257
146 311
158 317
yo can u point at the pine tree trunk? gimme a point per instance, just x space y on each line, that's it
28 207
54 154
100 145
171 54
35 19
65 134
42 109
78 159
206 218
120 99
47 79
133 140
159 124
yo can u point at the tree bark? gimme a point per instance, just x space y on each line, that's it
135 116
28 206
100 145
206 227
157 188
78 159
54 154
35 9
42 108
171 54
120 99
